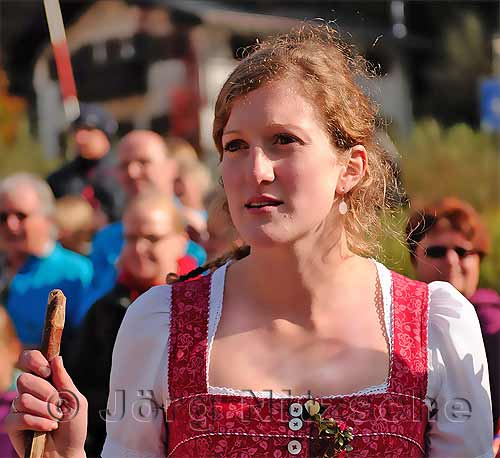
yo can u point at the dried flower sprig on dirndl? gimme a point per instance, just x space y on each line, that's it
338 431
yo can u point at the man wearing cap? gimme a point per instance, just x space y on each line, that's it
91 173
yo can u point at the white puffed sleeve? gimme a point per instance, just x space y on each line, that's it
458 392
135 421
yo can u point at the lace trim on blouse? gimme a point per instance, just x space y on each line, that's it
215 312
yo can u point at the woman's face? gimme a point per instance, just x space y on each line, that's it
447 256
279 167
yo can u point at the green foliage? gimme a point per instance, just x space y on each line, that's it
490 268
395 254
24 154
458 161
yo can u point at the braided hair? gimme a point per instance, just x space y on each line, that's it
236 255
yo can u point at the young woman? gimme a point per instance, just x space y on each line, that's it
301 345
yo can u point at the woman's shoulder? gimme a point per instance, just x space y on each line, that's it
453 321
446 301
440 293
154 301
147 316
153 308
139 366
458 377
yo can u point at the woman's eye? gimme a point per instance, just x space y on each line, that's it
233 145
285 139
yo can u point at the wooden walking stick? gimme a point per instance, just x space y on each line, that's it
51 345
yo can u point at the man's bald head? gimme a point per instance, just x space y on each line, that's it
145 163
143 139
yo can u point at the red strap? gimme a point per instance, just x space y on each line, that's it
188 343
409 369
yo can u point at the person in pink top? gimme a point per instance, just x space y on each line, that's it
447 241
298 343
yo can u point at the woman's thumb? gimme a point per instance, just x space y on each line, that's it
60 377
70 401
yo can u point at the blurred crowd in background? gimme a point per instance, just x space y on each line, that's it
123 206
104 227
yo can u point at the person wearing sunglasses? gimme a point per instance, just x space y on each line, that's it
447 242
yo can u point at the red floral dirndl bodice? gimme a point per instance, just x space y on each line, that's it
201 424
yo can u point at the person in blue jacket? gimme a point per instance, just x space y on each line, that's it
144 163
34 262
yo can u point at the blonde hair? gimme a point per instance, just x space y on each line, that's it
73 213
316 59
199 172
189 164
218 213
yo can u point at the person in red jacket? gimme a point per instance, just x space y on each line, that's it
155 245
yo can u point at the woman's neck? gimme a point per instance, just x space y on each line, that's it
296 279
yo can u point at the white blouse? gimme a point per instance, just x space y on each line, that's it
457 382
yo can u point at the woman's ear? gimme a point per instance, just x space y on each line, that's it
353 171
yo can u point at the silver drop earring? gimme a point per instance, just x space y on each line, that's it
343 209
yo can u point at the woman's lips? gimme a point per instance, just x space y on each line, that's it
262 207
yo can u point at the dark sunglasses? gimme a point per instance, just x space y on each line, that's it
4 216
439 251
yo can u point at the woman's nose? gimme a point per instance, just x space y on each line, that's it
261 166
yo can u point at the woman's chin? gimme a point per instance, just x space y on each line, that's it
265 238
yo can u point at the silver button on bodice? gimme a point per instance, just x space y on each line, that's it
294 447
295 424
295 409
